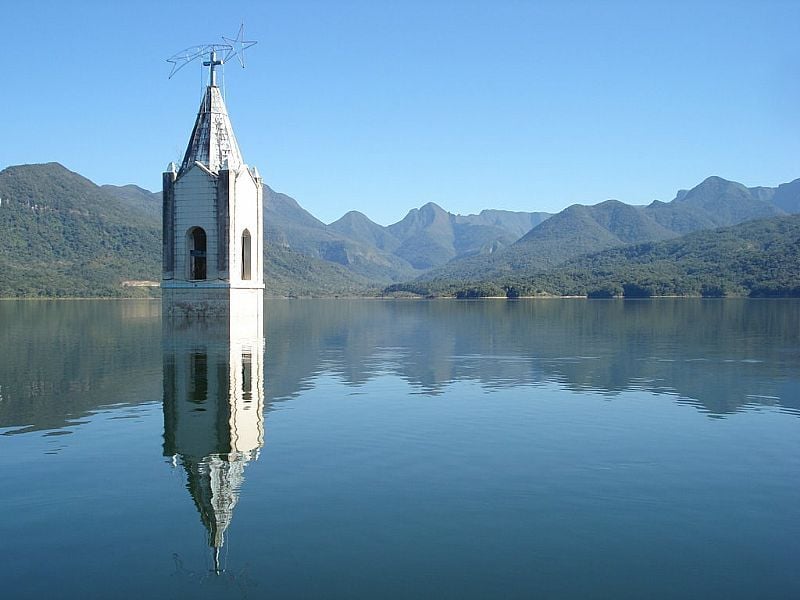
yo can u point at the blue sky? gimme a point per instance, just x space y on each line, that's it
383 106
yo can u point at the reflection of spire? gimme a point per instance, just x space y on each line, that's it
213 415
214 483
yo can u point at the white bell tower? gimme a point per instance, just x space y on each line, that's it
212 259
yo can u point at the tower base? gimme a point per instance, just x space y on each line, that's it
212 302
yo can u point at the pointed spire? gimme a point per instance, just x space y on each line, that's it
212 143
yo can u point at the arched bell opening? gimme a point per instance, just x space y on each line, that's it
196 245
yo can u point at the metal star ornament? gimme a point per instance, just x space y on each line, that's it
232 47
238 45
184 57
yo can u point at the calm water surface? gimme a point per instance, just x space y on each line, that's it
547 448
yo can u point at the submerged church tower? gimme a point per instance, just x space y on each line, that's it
212 221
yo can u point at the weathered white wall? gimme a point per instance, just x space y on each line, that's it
195 206
246 213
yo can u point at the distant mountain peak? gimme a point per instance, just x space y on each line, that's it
354 220
714 179
432 206
611 203
717 183
353 216
710 185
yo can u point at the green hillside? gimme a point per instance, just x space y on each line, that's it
61 235
758 258
290 273
574 231
580 229
288 225
138 199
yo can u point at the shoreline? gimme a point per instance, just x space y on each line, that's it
406 298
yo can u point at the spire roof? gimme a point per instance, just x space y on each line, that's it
212 142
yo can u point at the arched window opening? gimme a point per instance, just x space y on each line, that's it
246 255
247 376
197 253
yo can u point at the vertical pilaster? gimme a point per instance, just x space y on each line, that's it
223 222
168 225
258 251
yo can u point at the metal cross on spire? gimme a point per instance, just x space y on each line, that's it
211 63
232 47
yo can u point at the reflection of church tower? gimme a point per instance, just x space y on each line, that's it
212 221
213 414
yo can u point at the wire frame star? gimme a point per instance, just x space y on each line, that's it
238 45
232 47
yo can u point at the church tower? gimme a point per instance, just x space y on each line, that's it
212 259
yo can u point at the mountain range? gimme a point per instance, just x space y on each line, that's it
427 237
63 235
579 229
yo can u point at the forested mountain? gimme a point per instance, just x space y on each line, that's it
290 273
136 198
430 236
358 227
62 235
289 226
580 229
716 202
574 231
758 258
425 238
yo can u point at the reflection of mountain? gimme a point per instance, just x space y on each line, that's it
213 415
63 360
720 355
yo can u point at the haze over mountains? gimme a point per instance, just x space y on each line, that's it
427 237
61 234
580 229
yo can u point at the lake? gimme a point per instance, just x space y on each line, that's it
552 448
